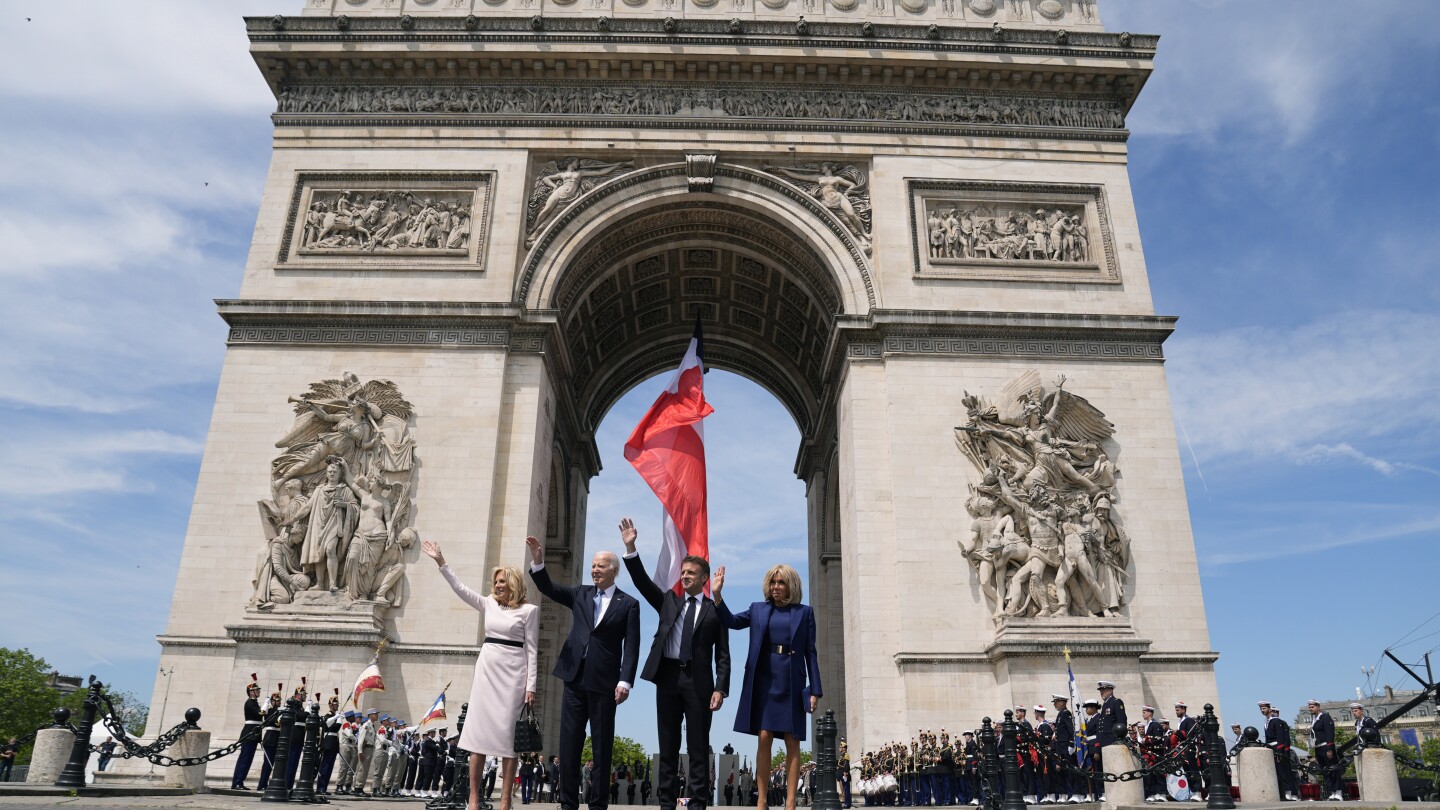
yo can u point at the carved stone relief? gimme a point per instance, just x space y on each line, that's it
354 221
1045 538
559 183
841 188
717 100
336 521
1035 232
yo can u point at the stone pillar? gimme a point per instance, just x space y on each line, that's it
1379 781
1257 776
51 752
191 744
1118 759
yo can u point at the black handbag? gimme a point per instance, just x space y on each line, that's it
527 732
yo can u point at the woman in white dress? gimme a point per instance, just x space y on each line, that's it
504 674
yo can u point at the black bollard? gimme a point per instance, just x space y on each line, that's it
827 761
74 774
304 790
61 716
1217 779
192 719
275 791
1010 763
989 762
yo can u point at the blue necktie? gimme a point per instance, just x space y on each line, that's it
598 595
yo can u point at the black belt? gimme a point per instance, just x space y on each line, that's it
780 649
676 662
505 641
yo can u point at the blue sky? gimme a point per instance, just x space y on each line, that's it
1284 166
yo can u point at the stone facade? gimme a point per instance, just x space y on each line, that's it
511 330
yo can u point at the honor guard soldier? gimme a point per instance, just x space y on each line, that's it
365 740
412 763
1187 727
1063 746
297 703
969 769
1152 748
946 768
844 775
1362 721
1025 753
930 769
329 743
270 737
1045 770
1322 745
395 779
1112 716
349 735
253 718
1277 738
1090 728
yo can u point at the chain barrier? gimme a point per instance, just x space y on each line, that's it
1417 765
1173 761
155 751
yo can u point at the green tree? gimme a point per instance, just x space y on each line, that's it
778 761
625 752
26 695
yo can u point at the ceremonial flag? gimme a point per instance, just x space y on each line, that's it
1078 711
437 710
668 450
369 681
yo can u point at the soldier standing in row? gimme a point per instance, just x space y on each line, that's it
329 744
253 718
1091 730
270 739
349 753
1025 752
365 740
1186 727
1063 745
969 769
1152 749
1277 737
1044 768
1362 722
296 704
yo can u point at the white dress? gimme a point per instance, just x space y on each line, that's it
503 674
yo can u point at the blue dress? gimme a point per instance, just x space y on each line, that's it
777 687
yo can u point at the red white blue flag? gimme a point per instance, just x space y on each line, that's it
667 448
437 710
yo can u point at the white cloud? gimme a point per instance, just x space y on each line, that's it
1320 391
58 464
1269 543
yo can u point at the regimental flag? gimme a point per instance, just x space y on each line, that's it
369 681
668 450
1078 711
437 710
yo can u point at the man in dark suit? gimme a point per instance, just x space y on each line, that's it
689 641
597 665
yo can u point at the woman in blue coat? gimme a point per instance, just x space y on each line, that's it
775 699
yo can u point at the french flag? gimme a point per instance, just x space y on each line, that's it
437 710
667 448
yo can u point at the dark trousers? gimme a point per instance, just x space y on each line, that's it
578 708
412 772
296 748
1284 774
7 766
242 764
1326 757
422 782
677 698
327 767
489 786
1097 766
267 766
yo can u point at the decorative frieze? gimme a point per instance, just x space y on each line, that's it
1012 231
561 100
357 221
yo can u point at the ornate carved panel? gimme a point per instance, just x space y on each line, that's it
1012 231
388 221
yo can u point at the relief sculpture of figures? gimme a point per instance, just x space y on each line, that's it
405 222
842 190
957 231
335 524
1044 538
560 183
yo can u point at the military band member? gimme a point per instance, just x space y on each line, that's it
1185 728
329 743
1063 745
1277 738
947 768
270 737
1152 748
253 719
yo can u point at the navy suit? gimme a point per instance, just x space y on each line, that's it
595 658
802 641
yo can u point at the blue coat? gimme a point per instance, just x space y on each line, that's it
802 639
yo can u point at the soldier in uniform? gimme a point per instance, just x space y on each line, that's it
396 780
329 743
1185 728
412 763
1152 748
253 719
1063 745
270 738
349 754
296 703
969 769
1277 737
1112 715
1091 731
1025 752
946 767
1362 721
366 738
384 752
1044 768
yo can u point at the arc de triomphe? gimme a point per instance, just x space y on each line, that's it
909 220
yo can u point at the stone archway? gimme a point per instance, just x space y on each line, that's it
768 273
